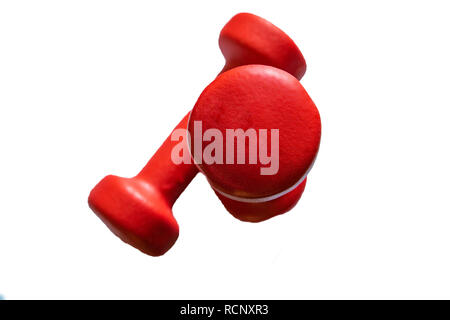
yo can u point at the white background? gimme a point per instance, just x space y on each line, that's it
90 88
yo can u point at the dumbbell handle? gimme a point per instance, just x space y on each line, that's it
170 178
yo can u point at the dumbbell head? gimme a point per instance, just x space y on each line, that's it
138 210
263 107
249 39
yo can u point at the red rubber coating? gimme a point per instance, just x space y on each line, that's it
249 39
255 97
138 210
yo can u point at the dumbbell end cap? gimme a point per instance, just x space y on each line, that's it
247 101
135 212
250 39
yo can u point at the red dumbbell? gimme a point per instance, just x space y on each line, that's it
138 209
